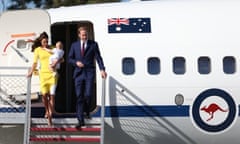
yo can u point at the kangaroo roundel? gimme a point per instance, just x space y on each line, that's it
214 110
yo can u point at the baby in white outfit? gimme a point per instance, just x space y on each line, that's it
57 53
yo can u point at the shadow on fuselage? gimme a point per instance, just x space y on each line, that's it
151 128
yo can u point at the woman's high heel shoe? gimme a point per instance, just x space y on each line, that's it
46 115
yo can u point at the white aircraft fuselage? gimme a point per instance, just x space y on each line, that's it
173 66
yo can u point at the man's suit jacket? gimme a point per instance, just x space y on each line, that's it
91 53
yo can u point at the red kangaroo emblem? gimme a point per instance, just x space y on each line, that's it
211 109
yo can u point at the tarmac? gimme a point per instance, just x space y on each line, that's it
11 134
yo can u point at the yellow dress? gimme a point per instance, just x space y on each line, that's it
48 79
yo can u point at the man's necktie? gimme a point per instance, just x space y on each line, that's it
82 49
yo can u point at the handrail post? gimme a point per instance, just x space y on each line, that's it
27 113
103 111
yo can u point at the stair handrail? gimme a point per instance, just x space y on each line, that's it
6 73
27 124
103 110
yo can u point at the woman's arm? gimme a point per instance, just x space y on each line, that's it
55 62
30 72
48 50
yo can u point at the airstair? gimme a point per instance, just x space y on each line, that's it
15 108
64 130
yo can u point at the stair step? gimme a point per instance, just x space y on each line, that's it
71 128
64 130
93 121
57 138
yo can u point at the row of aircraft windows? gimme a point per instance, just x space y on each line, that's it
179 65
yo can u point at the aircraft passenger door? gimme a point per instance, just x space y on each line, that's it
17 31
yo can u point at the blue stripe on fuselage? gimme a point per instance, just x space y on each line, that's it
120 111
147 111
131 111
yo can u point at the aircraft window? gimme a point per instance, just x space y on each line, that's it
179 66
204 65
153 65
229 65
128 66
21 44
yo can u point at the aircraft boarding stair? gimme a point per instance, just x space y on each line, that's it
36 130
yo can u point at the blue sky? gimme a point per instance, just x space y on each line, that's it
7 3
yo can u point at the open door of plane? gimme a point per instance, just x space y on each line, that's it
66 32
18 29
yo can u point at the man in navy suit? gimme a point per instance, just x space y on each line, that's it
82 56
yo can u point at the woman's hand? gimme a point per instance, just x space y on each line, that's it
29 74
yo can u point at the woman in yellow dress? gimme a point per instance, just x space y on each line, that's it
48 79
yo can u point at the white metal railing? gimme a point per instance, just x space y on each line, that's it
15 85
27 124
103 110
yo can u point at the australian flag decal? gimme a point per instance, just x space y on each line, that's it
129 25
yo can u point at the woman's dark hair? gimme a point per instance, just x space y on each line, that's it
37 41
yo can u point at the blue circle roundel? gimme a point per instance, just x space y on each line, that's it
211 110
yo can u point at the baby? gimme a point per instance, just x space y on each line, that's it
57 53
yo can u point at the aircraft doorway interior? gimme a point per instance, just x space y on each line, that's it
66 32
